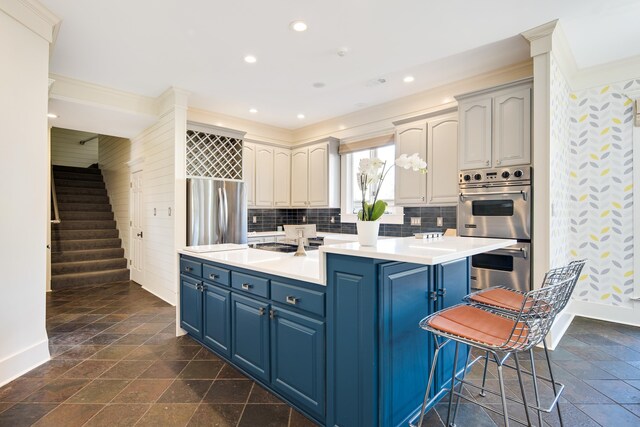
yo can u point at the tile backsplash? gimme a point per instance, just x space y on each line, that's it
270 219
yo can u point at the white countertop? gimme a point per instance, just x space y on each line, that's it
312 267
306 268
419 251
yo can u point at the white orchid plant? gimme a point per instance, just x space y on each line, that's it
371 175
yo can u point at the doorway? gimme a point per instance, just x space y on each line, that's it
137 233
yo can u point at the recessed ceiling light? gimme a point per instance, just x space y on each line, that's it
408 79
52 116
298 26
253 110
300 116
250 59
319 85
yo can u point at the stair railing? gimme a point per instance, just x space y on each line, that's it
54 198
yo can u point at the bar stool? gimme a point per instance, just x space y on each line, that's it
510 301
499 334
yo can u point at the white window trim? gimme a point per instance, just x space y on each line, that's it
397 217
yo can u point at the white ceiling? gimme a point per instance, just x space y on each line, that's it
146 46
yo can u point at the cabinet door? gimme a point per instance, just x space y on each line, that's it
217 316
451 285
249 171
318 175
281 177
411 186
475 134
512 128
299 177
264 176
190 306
297 359
250 335
405 349
443 160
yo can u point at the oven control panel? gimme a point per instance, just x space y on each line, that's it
500 175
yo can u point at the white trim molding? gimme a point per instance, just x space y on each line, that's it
625 315
33 15
23 361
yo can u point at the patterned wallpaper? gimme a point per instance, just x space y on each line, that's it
601 185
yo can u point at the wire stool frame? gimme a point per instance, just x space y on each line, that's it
530 326
573 269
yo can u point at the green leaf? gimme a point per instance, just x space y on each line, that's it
378 210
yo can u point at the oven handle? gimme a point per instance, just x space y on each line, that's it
494 193
522 251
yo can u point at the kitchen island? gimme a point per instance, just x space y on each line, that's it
334 333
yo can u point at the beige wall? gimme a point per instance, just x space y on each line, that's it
24 188
66 149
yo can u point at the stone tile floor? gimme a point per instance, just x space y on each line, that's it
116 362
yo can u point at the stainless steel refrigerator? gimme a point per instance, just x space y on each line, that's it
216 212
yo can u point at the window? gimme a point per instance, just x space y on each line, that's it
352 199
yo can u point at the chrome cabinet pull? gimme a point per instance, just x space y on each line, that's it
213 276
261 311
272 313
188 269
292 300
246 286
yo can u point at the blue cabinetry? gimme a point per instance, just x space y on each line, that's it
250 335
217 312
378 358
298 359
191 306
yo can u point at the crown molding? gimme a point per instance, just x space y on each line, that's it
33 15
616 71
77 91
540 38
172 98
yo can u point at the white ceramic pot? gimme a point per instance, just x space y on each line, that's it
368 232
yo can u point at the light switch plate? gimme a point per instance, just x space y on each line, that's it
255 219
416 220
439 222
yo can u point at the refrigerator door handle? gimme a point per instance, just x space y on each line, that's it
221 220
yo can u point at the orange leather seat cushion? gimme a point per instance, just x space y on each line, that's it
502 298
478 325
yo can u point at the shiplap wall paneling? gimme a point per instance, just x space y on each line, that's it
66 149
113 155
156 145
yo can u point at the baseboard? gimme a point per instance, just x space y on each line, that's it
609 313
22 362
559 328
164 295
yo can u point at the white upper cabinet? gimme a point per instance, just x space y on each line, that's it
442 179
512 128
281 177
319 175
495 127
299 177
264 181
411 187
475 134
315 175
248 171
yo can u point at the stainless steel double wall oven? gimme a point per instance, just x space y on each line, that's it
498 203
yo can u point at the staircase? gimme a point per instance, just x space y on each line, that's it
85 248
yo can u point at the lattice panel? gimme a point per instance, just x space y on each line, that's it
213 156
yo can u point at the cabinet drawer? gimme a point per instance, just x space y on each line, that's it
304 299
218 275
191 267
252 284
